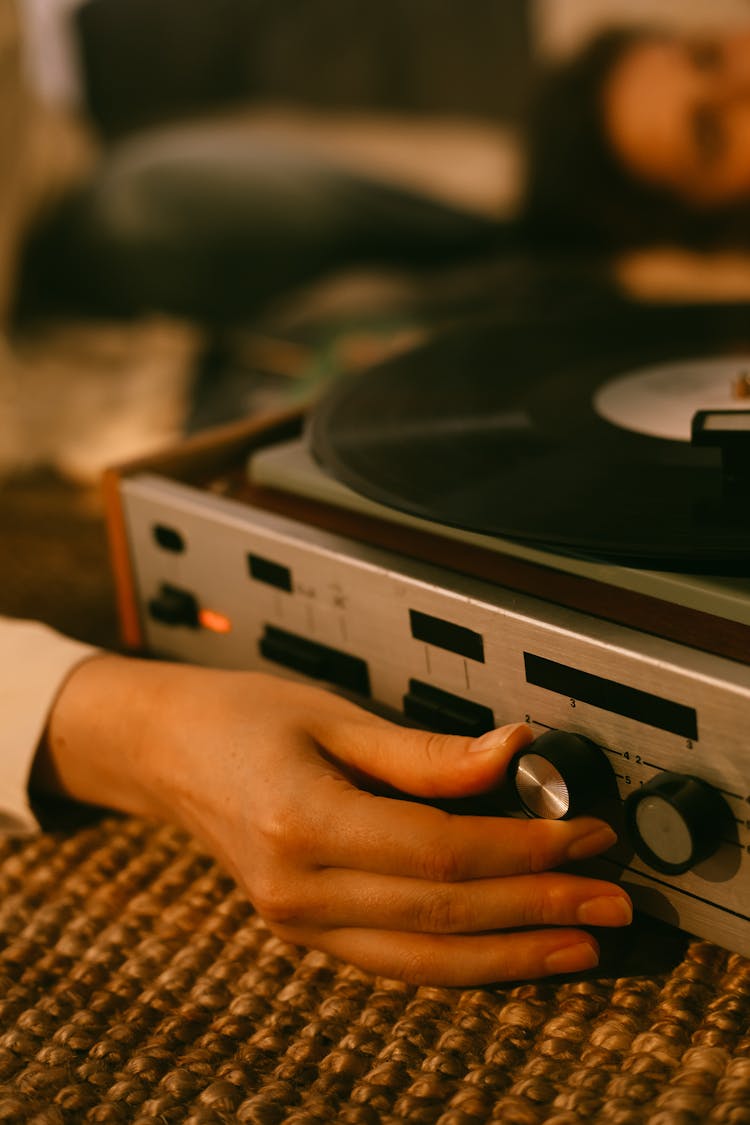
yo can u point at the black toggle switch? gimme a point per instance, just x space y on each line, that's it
173 606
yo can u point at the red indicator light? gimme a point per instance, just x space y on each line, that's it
215 621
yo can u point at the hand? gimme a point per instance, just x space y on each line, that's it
281 781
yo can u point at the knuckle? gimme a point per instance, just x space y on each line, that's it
441 911
440 862
541 905
434 748
543 845
416 967
280 828
275 900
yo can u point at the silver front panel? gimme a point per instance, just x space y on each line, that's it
358 599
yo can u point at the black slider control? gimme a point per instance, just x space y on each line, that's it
675 821
173 606
561 775
446 712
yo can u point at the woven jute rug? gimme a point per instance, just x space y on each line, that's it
138 985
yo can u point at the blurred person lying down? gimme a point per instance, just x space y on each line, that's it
642 140
207 199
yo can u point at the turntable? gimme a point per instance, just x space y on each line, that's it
540 519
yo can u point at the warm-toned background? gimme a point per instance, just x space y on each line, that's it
136 982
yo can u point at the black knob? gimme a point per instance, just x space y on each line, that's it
561 775
675 821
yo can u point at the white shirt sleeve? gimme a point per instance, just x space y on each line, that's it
34 664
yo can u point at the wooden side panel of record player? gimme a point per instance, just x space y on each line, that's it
203 460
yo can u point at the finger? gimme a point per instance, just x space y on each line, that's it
349 898
456 962
421 762
354 829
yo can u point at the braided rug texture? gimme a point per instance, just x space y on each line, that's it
138 985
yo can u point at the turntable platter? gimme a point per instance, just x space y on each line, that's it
569 435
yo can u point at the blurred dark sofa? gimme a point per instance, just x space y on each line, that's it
193 212
150 60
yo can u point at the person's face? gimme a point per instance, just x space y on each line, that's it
677 113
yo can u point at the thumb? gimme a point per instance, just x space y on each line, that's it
427 764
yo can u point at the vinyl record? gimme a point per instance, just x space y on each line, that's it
570 436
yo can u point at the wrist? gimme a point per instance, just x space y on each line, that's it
97 744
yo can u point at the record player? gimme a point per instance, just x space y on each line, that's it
539 520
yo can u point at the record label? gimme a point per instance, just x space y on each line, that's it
660 401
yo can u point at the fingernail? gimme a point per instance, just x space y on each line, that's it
592 843
606 910
494 739
572 959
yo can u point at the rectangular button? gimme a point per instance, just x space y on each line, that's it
447 635
272 573
319 662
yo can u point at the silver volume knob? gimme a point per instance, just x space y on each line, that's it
675 821
561 775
